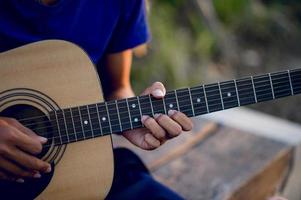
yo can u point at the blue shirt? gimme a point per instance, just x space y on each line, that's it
98 26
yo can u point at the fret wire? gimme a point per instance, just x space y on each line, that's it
163 99
127 103
177 100
205 95
220 92
279 85
101 132
151 103
139 104
170 101
135 112
245 90
69 125
237 95
64 118
81 122
75 135
289 76
58 126
110 126
271 85
183 98
254 89
118 115
192 106
229 94
89 117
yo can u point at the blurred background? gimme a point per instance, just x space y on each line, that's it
237 154
199 41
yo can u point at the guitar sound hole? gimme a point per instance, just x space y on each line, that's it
33 119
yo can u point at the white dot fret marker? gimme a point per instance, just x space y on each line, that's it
198 100
85 122
133 105
136 119
229 94
171 105
103 118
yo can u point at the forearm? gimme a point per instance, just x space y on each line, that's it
115 75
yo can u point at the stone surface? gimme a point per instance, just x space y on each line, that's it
214 168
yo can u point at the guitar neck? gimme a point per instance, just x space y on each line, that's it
89 121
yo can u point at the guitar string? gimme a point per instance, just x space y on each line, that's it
86 132
200 86
180 97
67 129
83 133
244 97
68 135
192 89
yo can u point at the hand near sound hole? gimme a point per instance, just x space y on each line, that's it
159 128
18 145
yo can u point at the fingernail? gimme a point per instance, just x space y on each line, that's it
20 180
158 93
48 169
42 139
143 118
37 175
156 116
171 112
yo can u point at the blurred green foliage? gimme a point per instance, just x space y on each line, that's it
185 50
179 43
231 11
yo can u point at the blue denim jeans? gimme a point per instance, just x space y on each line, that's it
133 181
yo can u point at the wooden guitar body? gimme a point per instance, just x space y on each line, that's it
51 75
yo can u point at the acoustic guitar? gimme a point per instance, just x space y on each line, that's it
53 88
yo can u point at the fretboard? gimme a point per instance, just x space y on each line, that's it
89 121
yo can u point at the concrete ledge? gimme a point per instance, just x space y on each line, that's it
259 123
